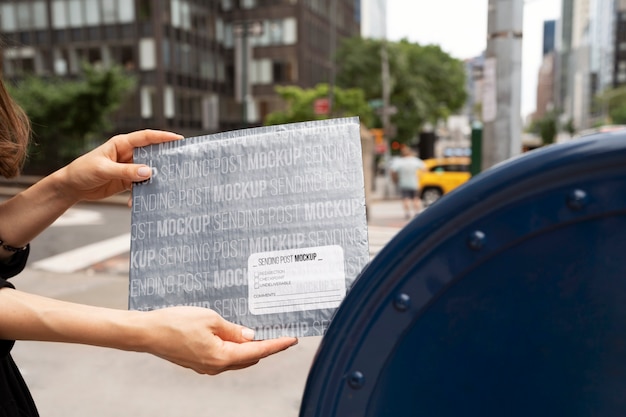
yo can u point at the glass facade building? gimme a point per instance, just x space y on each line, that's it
202 65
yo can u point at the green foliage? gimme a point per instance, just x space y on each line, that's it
612 104
618 115
65 114
359 62
427 84
569 127
546 127
300 104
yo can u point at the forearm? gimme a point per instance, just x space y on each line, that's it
28 213
25 316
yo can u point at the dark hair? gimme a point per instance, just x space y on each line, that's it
14 135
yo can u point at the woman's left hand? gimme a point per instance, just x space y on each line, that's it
109 169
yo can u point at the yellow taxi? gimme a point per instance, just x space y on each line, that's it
442 175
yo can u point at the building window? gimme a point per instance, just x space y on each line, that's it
210 112
79 13
185 52
38 17
277 32
248 4
92 12
127 57
282 72
59 14
126 10
145 10
290 31
76 13
109 11
166 51
23 16
19 61
147 54
7 13
261 72
147 102
168 102
180 12
227 5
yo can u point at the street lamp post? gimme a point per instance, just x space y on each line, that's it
502 82
243 30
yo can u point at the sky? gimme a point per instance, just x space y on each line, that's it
459 27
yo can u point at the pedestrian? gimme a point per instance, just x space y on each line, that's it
196 338
404 171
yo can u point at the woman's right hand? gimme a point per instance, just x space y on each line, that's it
200 339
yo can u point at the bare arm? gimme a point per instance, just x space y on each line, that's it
193 337
105 171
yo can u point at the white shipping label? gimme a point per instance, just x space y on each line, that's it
296 280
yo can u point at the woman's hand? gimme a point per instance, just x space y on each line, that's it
108 169
200 339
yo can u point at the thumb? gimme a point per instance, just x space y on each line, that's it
233 332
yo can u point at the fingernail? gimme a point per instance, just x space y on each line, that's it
247 334
144 172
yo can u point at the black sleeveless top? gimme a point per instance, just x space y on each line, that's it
15 398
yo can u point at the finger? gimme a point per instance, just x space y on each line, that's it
127 172
148 137
243 353
232 332
238 367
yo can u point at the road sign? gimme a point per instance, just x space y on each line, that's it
321 106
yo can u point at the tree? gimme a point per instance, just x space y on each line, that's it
66 114
612 104
428 85
300 104
546 127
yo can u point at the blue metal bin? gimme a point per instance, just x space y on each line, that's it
505 298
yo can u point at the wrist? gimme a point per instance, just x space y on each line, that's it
62 185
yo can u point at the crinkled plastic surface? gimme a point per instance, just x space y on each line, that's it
266 226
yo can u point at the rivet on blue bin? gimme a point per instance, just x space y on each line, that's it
577 199
476 240
402 302
356 380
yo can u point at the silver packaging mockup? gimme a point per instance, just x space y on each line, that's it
266 226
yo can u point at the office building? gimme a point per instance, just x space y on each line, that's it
374 19
202 65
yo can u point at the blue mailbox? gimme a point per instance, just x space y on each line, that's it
506 298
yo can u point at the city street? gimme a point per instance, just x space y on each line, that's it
69 380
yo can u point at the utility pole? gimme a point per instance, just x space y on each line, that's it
502 123
244 30
332 49
386 120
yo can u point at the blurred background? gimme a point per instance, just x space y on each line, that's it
423 74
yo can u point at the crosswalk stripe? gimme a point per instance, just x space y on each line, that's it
85 256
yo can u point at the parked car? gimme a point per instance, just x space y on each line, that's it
442 175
